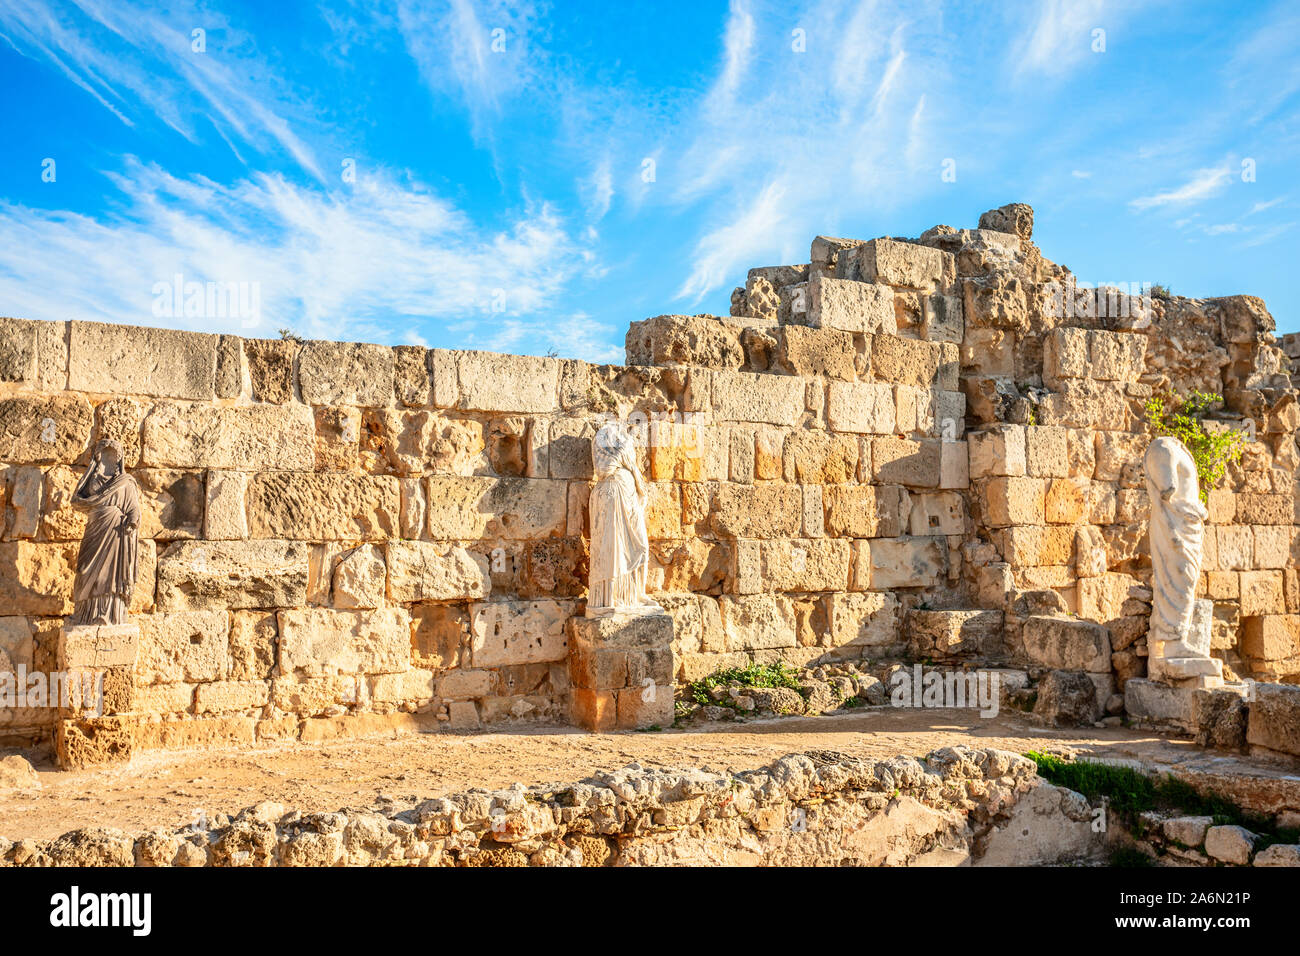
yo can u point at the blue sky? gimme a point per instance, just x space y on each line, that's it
533 177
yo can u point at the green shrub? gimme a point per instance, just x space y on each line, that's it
1184 419
753 675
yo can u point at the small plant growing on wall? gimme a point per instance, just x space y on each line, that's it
1184 419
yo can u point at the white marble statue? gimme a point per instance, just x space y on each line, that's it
1179 637
620 550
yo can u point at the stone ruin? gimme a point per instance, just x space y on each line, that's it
903 450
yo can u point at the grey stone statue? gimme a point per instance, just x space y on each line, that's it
106 563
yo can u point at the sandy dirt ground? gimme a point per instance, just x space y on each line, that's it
175 788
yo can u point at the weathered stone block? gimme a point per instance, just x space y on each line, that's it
799 564
898 263
133 360
902 461
752 397
904 361
424 571
188 646
492 382
697 340
225 516
323 507
232 575
997 451
37 578
866 620
240 438
94 646
467 509
1261 593
412 383
518 632
1013 501
755 511
865 511
902 562
359 578
811 352
819 458
321 641
229 696
1067 644
757 621
54 428
1274 721
862 407
954 465
346 373
954 633
851 306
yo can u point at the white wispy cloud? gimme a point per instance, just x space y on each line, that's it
1203 184
365 264
134 60
1061 36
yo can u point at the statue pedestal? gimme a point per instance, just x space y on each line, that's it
97 664
1187 663
621 669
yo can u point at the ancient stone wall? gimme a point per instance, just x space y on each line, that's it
915 448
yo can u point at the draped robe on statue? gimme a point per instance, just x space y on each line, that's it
620 549
1177 530
106 563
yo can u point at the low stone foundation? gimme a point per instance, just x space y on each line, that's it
958 806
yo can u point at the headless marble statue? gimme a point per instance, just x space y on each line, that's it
620 549
106 562
1179 636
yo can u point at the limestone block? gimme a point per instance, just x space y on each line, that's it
323 507
270 369
1028 546
240 438
172 503
1244 317
1090 557
904 361
41 429
417 443
412 518
115 645
937 513
338 437
1230 844
954 465
851 306
464 684
865 511
253 639
27 485
346 373
412 382
425 571
755 511
492 382
1087 403
1261 593
518 632
228 696
953 633
164 699
1234 549
998 301
133 360
1047 451
903 562
905 462
997 451
642 708
1012 501
232 575
752 397
225 517
862 407
1119 457
467 509
320 641
699 340
17 350
413 686
37 578
1271 637
16 644
1264 509
568 448
899 263
1278 854
1068 500
1273 545
757 621
187 646
798 564
1274 721
942 319
819 458
1067 644
359 578
916 409
811 352
989 353
865 620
